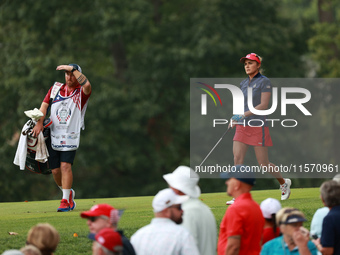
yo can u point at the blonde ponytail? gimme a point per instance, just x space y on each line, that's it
261 70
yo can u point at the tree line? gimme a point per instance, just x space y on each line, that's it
139 56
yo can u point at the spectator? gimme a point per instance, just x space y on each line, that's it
30 250
242 225
294 239
269 208
45 237
106 242
164 236
316 224
105 216
330 235
197 217
319 215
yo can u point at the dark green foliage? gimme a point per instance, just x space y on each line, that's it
139 56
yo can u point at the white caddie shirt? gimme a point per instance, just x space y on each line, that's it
68 118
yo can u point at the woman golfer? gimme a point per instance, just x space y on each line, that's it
253 130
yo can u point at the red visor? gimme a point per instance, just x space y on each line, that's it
251 56
98 210
103 210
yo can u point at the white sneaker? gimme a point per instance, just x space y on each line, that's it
285 189
230 202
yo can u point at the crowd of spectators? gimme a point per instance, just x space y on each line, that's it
183 224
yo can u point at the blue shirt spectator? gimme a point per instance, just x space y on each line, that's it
294 239
277 246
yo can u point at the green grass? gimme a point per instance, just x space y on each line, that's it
21 216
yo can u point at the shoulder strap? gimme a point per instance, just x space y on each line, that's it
54 91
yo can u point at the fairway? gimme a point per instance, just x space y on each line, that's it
21 216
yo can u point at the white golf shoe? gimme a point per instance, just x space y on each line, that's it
285 189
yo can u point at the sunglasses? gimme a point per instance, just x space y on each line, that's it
295 224
254 54
94 218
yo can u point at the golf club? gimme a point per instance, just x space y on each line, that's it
229 128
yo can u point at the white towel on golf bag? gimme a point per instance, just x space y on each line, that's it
34 114
42 152
20 155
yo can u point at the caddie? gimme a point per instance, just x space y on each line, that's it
68 106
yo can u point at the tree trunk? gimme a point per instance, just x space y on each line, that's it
157 16
120 61
325 11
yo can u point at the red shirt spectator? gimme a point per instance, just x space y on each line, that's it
243 218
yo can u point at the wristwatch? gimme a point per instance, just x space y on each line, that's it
74 67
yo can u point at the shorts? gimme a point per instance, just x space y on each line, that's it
254 136
59 156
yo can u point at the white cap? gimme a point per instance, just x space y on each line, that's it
184 179
166 198
270 206
12 252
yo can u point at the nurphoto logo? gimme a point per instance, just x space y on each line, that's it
238 103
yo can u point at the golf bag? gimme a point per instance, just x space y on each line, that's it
31 164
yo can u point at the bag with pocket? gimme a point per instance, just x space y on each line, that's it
31 163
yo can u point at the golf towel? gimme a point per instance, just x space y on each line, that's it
42 152
20 155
